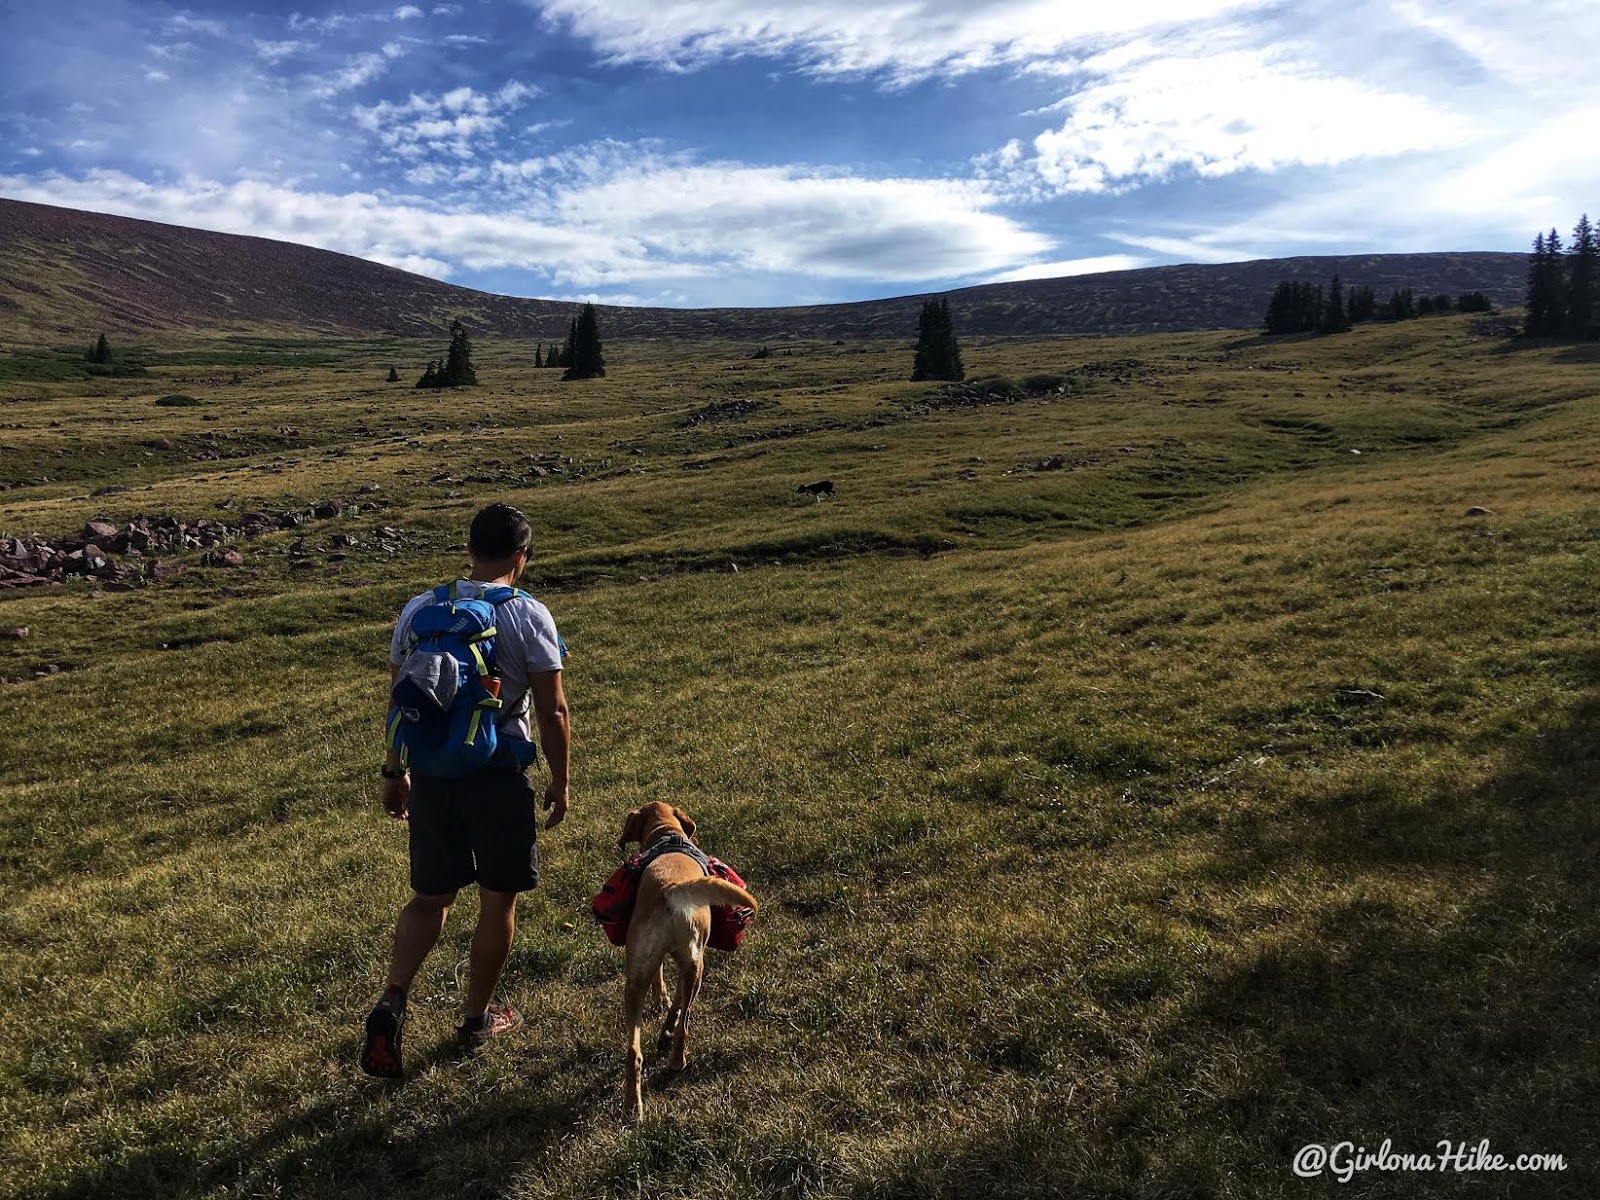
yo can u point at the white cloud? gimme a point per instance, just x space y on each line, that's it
298 22
273 53
674 223
781 220
155 76
407 12
449 124
1547 48
184 23
1151 115
361 69
1070 266
170 51
903 39
1202 247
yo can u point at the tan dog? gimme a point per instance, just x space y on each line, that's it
671 915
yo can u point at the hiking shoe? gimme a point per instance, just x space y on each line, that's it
381 1054
471 1035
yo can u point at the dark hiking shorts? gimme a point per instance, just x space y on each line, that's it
482 829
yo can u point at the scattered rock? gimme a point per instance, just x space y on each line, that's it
15 635
36 561
1477 510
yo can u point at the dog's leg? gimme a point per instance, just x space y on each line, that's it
661 991
633 1003
691 968
669 1012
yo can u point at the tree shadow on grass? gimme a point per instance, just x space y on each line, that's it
1439 981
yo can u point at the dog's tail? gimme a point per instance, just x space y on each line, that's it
710 890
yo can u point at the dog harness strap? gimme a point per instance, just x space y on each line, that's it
671 844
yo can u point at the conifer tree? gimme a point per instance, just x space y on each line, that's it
458 370
587 360
1363 304
538 356
430 377
938 353
100 352
1555 284
1333 319
1583 281
394 376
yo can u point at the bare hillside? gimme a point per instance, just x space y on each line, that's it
63 271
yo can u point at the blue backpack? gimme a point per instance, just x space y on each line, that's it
445 700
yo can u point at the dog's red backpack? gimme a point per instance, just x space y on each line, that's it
613 907
728 921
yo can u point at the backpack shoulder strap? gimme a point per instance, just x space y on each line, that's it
499 595
441 593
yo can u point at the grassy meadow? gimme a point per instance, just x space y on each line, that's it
1121 827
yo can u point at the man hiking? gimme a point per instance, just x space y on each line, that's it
471 654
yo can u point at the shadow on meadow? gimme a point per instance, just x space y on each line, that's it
349 1147
1438 981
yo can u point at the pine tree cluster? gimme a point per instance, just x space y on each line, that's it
938 354
100 352
1306 308
581 354
1563 283
457 369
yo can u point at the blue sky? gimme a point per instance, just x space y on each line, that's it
712 152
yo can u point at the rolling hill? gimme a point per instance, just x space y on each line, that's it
64 271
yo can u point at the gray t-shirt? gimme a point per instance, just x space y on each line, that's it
526 643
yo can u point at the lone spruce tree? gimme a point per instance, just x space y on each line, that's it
100 352
938 354
585 360
458 370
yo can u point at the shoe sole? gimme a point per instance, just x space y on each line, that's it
381 1055
470 1043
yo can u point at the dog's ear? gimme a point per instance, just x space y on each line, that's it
632 829
685 820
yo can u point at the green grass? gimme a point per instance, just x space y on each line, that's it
1120 828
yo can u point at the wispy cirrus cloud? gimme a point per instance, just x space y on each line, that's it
902 40
358 70
274 52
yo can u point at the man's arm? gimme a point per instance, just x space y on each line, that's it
396 792
555 739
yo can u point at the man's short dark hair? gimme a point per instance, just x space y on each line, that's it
498 532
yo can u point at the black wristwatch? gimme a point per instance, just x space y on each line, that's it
388 774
